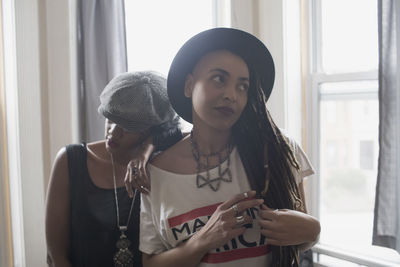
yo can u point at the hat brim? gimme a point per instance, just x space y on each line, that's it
241 43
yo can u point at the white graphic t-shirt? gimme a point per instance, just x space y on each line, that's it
175 209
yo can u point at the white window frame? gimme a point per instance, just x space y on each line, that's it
314 77
6 252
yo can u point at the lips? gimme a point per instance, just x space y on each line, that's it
111 143
227 111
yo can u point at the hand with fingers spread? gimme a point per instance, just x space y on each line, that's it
227 221
136 175
286 227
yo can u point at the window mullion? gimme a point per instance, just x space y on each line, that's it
316 36
344 77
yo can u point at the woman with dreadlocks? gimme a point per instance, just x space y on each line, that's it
230 193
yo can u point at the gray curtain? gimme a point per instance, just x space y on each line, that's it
387 203
102 55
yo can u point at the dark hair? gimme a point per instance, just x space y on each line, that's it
258 138
166 134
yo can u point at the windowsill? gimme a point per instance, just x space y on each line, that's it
351 256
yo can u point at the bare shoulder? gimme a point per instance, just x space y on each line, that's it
177 158
59 178
170 155
59 172
57 205
61 160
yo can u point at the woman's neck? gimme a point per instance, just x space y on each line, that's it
211 140
120 157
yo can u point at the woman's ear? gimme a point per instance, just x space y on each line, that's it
188 90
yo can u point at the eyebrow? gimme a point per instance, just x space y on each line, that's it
228 74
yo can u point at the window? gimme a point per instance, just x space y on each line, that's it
155 30
344 118
367 155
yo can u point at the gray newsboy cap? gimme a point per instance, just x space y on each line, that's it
136 101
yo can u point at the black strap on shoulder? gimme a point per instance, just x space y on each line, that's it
77 168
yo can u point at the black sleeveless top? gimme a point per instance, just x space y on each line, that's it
93 221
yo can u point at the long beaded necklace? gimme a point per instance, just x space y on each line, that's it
123 257
223 175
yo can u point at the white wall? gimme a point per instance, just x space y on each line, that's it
271 32
24 131
5 231
38 43
277 24
61 84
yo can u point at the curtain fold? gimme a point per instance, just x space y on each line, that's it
102 55
386 230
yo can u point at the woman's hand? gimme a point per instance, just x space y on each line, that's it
224 224
288 227
136 174
227 221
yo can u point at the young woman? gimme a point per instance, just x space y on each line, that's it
91 220
231 192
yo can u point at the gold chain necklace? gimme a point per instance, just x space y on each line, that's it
223 175
123 257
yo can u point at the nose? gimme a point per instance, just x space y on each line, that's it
114 131
230 92
107 126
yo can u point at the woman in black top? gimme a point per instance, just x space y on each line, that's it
92 219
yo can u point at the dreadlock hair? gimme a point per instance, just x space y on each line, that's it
260 142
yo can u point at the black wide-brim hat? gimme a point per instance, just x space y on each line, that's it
241 43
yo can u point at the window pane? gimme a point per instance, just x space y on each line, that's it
348 170
349 35
347 190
